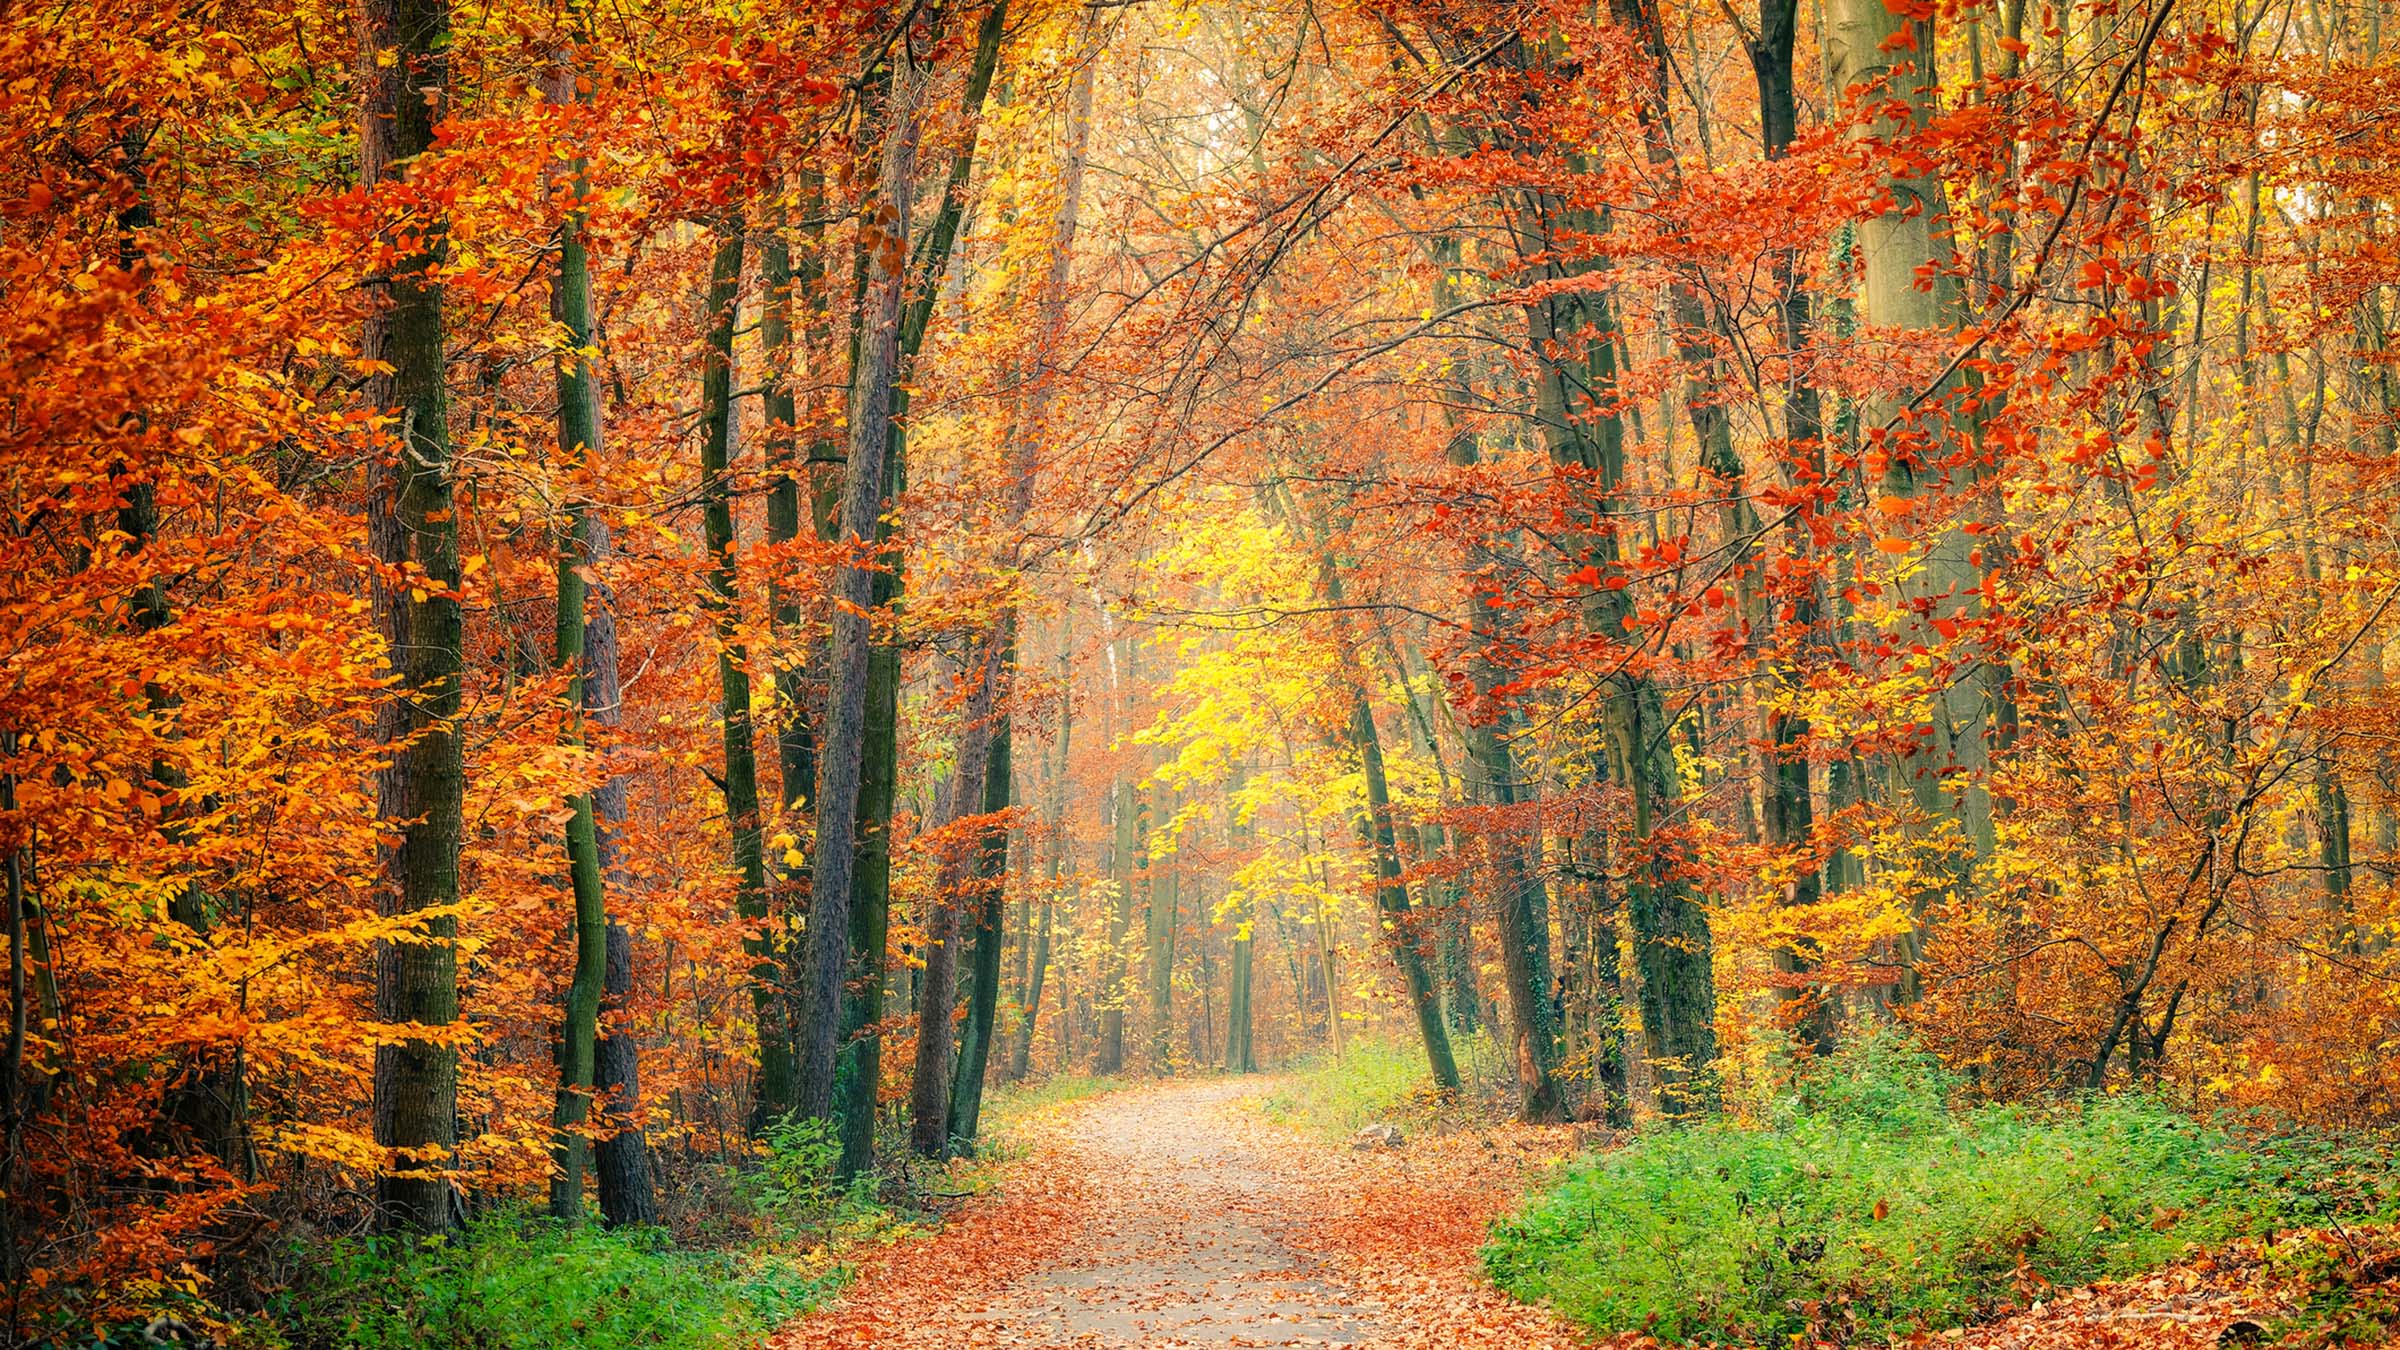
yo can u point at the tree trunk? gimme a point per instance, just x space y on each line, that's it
1021 1056
578 441
1520 921
858 1067
1790 819
1239 1056
1902 246
841 747
773 1096
1582 430
991 877
1159 940
414 523
929 1092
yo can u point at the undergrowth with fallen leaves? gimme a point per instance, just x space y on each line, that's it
1870 1205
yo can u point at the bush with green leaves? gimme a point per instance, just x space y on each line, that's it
516 1283
1869 1206
797 1187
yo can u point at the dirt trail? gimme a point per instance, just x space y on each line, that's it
1172 1216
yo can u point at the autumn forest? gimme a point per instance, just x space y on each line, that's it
784 649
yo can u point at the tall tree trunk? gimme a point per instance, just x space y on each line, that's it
1520 908
1790 817
1575 332
842 748
773 1097
858 1066
1903 246
1520 911
578 442
1031 431
1397 918
414 523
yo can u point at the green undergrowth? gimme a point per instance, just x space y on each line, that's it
1012 1105
513 1281
1870 1206
747 1248
1387 1081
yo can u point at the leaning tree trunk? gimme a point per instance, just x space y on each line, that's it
413 519
1376 831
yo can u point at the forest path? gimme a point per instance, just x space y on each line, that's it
1173 1215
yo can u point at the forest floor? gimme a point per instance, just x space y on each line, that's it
1174 1215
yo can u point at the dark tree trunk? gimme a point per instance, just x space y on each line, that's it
774 1091
413 520
991 876
1790 811
578 441
929 1091
842 748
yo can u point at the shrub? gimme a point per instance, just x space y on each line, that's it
1868 1206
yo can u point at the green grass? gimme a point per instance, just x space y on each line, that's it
1869 1207
513 1282
1384 1081
1008 1105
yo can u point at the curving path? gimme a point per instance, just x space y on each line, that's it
1172 1216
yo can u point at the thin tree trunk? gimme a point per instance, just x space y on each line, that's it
991 879
1159 942
929 1092
1021 1056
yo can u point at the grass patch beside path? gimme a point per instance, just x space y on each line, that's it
1017 1102
1388 1081
514 1282
1868 1207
